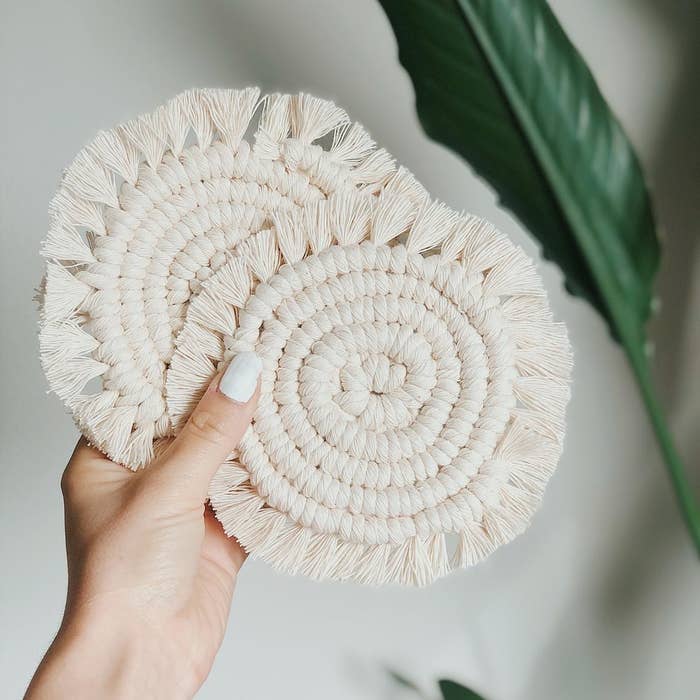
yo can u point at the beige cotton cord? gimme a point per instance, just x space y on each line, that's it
414 383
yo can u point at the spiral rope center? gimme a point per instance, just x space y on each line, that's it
375 374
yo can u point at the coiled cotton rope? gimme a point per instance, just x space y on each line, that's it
413 386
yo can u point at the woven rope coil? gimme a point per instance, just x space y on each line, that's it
414 383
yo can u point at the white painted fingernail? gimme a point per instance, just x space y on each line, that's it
241 377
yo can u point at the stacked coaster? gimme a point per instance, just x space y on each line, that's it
413 386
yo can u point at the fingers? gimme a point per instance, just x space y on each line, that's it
88 467
85 452
218 547
214 429
84 458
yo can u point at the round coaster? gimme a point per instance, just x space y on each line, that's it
413 388
147 212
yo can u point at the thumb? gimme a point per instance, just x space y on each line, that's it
214 429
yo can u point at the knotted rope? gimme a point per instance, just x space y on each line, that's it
414 384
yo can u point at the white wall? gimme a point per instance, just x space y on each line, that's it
600 597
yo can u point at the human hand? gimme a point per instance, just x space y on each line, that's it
150 571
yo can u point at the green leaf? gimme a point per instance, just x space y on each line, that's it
454 691
499 82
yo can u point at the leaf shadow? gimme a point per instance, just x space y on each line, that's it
608 627
616 614
674 171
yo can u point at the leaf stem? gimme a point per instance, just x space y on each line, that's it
681 486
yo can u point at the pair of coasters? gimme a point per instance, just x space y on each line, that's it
414 384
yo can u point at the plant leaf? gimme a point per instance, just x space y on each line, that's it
454 691
499 82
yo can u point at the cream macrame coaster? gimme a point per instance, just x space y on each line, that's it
413 386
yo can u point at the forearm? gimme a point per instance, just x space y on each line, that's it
91 658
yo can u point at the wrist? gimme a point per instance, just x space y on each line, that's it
107 656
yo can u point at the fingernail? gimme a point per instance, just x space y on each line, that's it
241 377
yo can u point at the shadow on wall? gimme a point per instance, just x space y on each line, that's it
674 174
654 542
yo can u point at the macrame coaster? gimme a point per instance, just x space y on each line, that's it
414 383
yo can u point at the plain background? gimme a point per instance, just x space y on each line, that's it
600 598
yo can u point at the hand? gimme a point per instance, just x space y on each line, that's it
150 571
